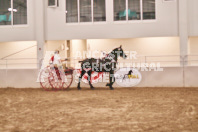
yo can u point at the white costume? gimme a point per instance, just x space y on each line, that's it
57 59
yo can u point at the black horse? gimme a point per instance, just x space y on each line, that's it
106 64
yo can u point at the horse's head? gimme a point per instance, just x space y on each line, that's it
122 54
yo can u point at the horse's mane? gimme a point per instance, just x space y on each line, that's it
113 50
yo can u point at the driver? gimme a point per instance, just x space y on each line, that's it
56 60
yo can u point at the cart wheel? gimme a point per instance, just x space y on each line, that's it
68 80
45 74
55 80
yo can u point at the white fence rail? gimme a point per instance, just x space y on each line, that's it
192 60
18 63
177 71
163 60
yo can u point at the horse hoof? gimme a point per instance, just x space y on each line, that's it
79 88
92 88
107 84
111 88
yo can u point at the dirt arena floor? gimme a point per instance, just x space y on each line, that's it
100 110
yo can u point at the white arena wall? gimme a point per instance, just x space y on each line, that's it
169 77
19 78
22 54
193 51
157 40
192 17
56 45
143 46
148 49
154 48
9 48
166 24
193 45
18 54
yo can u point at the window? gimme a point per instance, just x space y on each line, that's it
5 13
119 10
53 3
148 9
19 12
99 12
16 9
71 11
85 11
134 10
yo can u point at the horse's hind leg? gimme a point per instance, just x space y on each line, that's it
80 77
89 79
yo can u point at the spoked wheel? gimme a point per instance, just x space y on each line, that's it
52 79
56 80
45 74
68 79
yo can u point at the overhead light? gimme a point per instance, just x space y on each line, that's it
15 10
10 9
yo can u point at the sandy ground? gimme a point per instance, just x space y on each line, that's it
100 110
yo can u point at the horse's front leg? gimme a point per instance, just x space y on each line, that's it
111 79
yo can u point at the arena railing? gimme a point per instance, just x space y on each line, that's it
18 63
7 62
163 60
192 60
